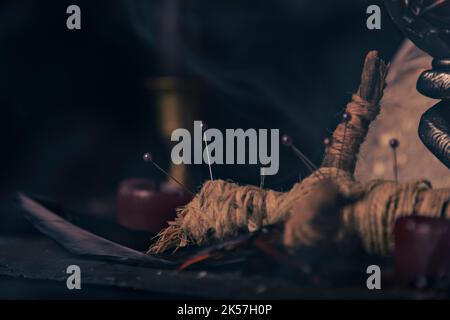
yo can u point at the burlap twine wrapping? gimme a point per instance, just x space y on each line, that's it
326 206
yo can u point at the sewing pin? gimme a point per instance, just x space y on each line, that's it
147 157
204 128
394 144
346 117
261 184
327 142
288 142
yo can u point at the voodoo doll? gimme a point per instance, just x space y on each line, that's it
327 206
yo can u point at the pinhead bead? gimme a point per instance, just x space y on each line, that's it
286 140
147 157
346 117
327 142
394 143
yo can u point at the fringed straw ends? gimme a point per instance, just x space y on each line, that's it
219 210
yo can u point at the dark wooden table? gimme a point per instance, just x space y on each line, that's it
35 268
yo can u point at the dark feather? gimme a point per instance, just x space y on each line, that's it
82 242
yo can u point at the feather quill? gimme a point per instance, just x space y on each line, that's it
81 242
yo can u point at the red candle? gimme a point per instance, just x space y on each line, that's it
422 249
142 205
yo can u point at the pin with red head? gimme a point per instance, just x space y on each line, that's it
287 141
148 157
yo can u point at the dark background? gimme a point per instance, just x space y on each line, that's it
76 116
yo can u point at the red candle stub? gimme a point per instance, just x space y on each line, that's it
142 205
422 249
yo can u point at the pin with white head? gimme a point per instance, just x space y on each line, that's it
204 127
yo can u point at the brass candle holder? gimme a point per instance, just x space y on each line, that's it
176 106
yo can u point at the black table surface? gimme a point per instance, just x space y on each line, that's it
35 268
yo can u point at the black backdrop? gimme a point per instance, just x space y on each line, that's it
75 117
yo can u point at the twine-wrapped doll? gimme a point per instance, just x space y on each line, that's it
327 206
